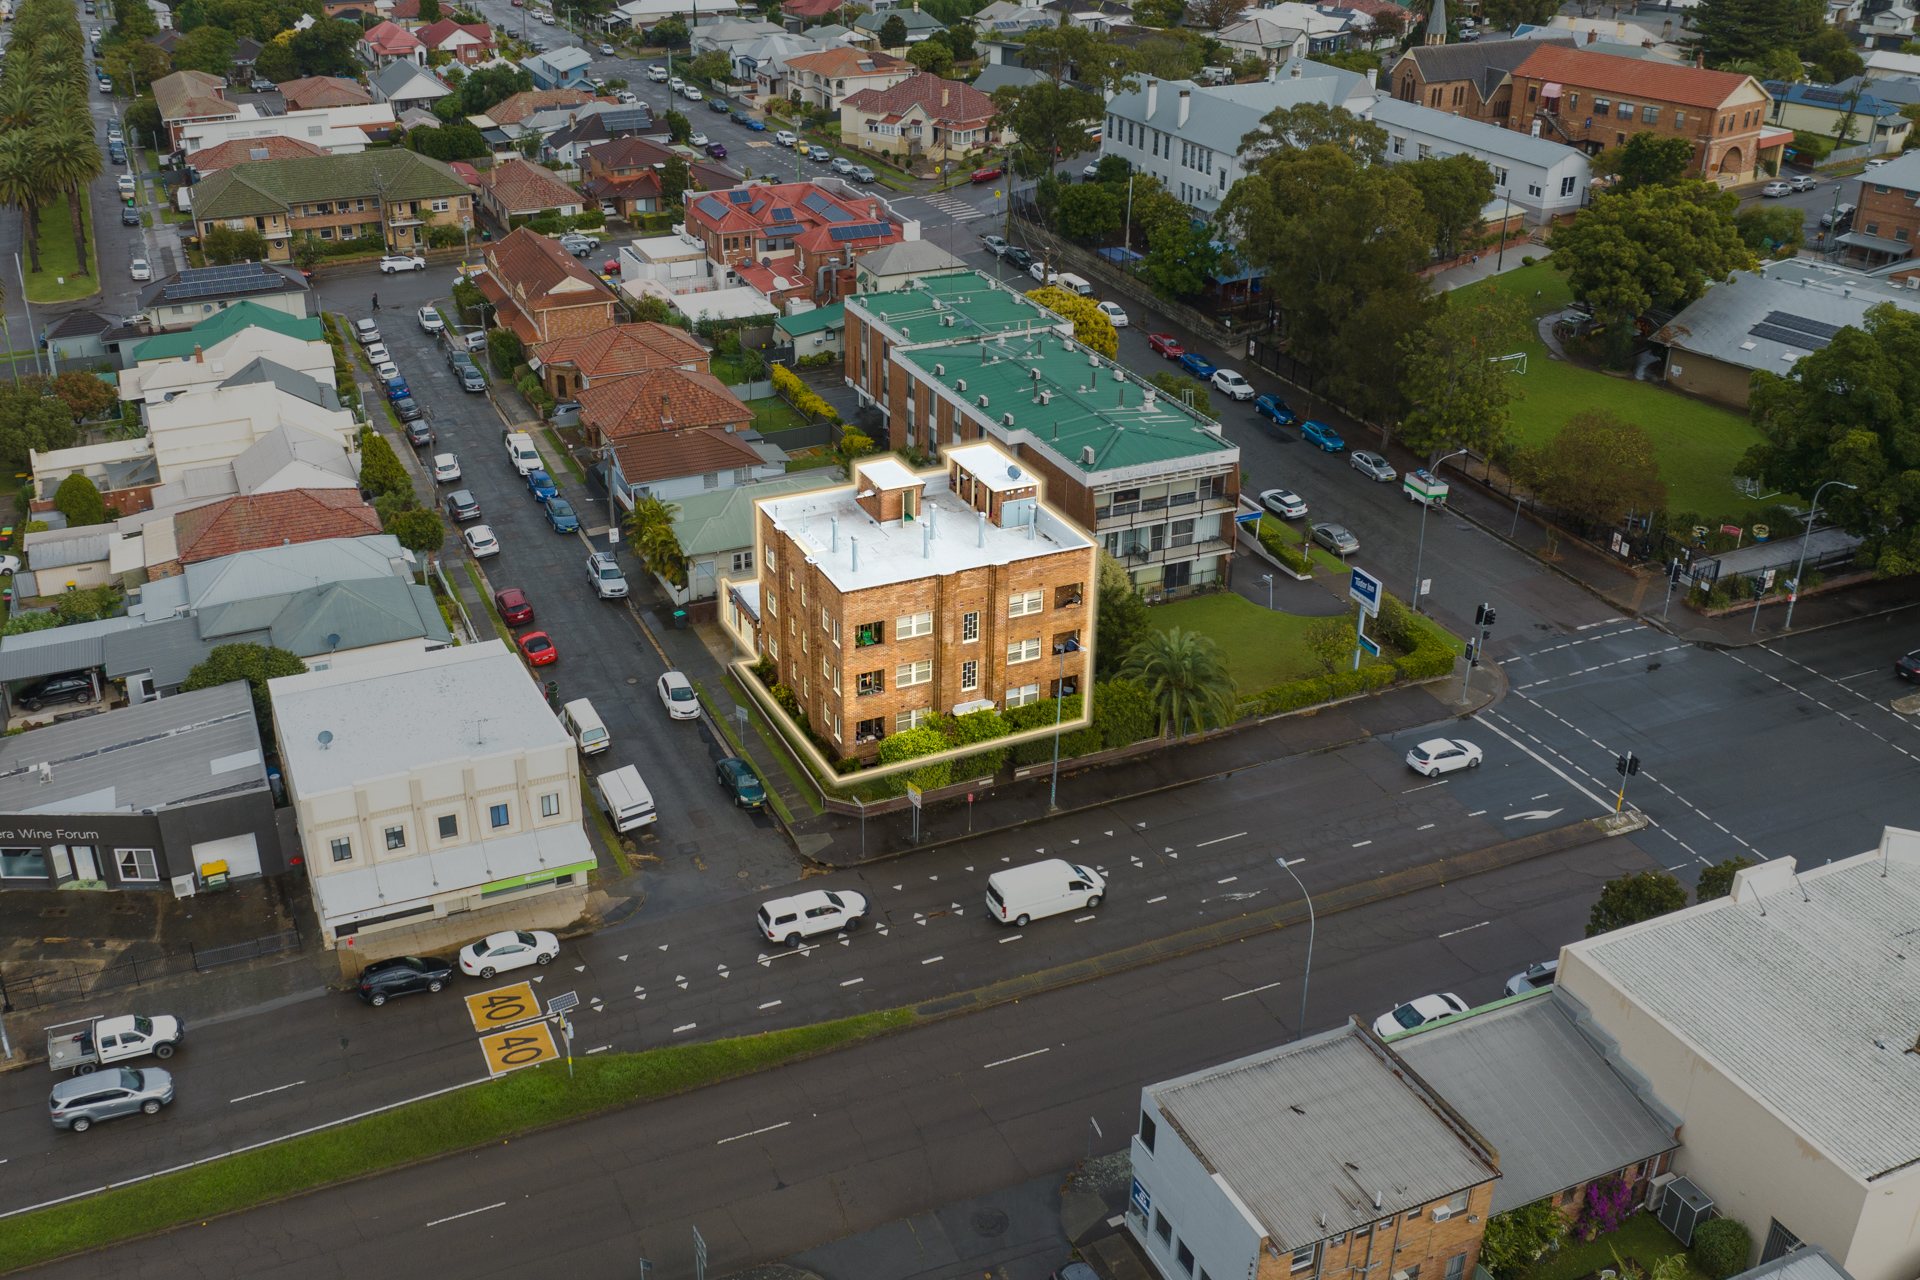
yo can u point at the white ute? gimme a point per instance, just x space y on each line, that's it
83 1046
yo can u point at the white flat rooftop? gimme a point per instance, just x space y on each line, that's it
885 473
991 467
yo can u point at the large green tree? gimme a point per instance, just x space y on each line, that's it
1086 210
1047 119
1596 466
1122 618
78 499
1454 191
1647 159
326 48
1181 258
1093 59
1631 899
1312 124
1850 411
1456 392
1185 676
1733 30
208 49
893 32
254 663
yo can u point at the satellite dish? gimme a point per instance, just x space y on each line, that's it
333 642
326 738
1013 473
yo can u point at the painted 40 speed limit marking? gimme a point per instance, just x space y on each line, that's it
522 1047
503 1006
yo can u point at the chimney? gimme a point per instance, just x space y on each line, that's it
944 91
1296 69
1700 61
834 522
1592 36
926 543
1373 77
1153 97
199 356
1186 105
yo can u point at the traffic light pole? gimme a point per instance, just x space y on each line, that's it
1626 765
1483 620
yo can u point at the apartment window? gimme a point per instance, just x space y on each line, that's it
866 731
1603 106
1873 228
396 837
1425 151
1023 695
1023 650
440 206
1679 119
1533 189
550 805
1184 1256
136 864
1499 176
1649 115
769 557
497 815
1626 111
711 480
969 627
913 624
1162 1228
1182 533
910 673
869 682
1457 1266
1399 145
1302 1259
1566 186
1453 1208
1901 235
1148 1129
906 720
743 562
969 676
449 826
1022 603
1879 190
773 646
342 849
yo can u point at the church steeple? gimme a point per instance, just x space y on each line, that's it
1437 23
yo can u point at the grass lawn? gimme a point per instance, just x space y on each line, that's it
1264 647
811 460
1640 1238
771 413
731 370
459 1118
801 784
57 258
1696 444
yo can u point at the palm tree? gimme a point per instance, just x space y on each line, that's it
650 528
72 160
19 102
24 185
1185 675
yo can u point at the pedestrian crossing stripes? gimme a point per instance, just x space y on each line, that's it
958 210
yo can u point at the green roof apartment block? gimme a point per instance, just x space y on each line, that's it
223 324
962 358
335 197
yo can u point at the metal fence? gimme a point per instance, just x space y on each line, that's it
63 980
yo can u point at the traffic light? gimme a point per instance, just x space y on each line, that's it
1483 616
1676 569
1627 765
1473 654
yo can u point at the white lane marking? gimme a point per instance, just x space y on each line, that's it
1363 844
1544 761
1428 827
1161 898
264 1092
1468 929
468 1214
754 1134
1476 813
853 982
1543 795
1222 840
1083 919
1537 815
1016 1057
1228 880
1254 992
602 1049
1014 937
690 1026
932 959
1410 790
771 1003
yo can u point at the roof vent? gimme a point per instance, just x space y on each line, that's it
326 739
1006 419
1013 472
1093 361
939 371
1119 374
1046 397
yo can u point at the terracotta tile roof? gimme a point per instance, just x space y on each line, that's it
268 519
310 92
810 8
523 104
1631 77
529 273
664 455
385 37
405 9
523 187
781 278
799 205
658 400
188 95
240 151
823 239
624 349
943 100
644 185
439 31
843 61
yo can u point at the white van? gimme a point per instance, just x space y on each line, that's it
583 722
625 798
521 453
1069 281
1038 889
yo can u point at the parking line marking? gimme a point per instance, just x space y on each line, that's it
1428 827
1015 1058
771 1003
1161 898
1222 840
931 959
264 1092
1083 919
690 1026
756 1133
1228 880
602 1049
1254 992
853 982
1468 929
1476 813
468 1214
1012 938
1363 844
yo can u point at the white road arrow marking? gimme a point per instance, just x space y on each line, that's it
1532 815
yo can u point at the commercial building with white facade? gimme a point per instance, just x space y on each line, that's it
1542 176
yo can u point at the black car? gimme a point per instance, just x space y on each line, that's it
403 976
1908 667
71 686
717 105
418 432
737 778
409 410
129 216
462 505
741 115
117 156
1017 258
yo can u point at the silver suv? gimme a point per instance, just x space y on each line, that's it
77 1103
603 571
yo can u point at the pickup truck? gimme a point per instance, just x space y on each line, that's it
83 1046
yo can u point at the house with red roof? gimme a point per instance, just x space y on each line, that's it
270 520
467 43
210 160
517 188
923 115
658 401
310 93
567 366
627 171
385 43
1598 100
188 98
541 292
793 228
680 463
811 10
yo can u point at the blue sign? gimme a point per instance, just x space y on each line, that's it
1368 643
1142 1201
1247 517
1365 588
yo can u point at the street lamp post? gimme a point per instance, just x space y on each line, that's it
1059 701
1306 975
1419 554
1268 579
1794 596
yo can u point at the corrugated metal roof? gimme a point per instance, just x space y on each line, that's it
1809 1262
168 650
1529 1082
58 548
70 648
152 756
1721 323
1315 1129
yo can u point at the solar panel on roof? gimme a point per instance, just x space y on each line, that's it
1822 95
740 197
783 214
1817 329
860 231
207 282
827 209
756 206
712 208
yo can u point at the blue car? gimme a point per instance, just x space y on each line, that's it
541 484
1323 435
1274 407
560 516
758 126
1198 365
397 389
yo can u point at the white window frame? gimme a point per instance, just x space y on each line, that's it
912 673
969 676
905 720
1027 650
1022 603
550 805
1022 696
342 848
908 626
969 628
390 832
144 865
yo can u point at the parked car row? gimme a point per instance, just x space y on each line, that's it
1017 896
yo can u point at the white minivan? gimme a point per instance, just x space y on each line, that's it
624 795
1075 284
521 453
583 722
1020 894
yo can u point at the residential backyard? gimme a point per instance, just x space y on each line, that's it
1640 1239
1696 444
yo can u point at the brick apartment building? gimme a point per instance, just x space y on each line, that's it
335 197
1156 483
1599 100
1472 80
799 225
906 595
541 292
1886 222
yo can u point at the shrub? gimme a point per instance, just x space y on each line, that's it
789 703
1295 558
764 671
788 383
1605 1206
1721 1247
1526 259
1123 714
1518 1236
78 499
504 351
380 469
821 361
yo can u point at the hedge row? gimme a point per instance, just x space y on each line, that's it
1426 652
788 383
1286 553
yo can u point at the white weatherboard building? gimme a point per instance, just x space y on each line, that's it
1541 176
429 786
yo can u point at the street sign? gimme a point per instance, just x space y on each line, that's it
1141 1199
510 1050
1247 517
1365 588
1368 643
1426 585
503 1006
913 795
564 1001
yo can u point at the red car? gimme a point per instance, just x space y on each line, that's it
987 175
1166 344
538 648
513 605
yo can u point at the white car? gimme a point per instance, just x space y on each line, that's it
676 84
500 952
377 352
1114 312
1043 273
141 270
606 51
786 137
995 245
657 74
367 331
677 696
1284 503
9 565
692 94
402 262
387 369
1536 976
481 542
625 98
125 182
445 467
1436 756
1407 1017
430 320
1372 464
1232 384
806 915
697 140
1876 162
